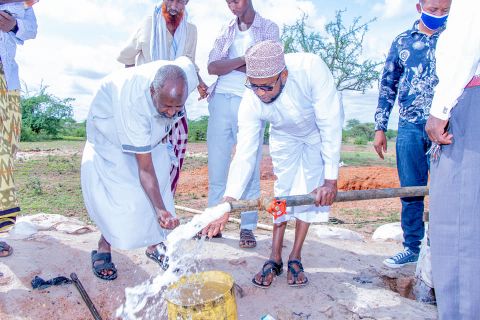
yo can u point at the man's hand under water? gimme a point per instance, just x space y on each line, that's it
166 220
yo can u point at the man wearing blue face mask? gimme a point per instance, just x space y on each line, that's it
409 75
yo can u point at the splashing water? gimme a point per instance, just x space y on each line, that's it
136 298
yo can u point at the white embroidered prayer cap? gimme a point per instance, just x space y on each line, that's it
265 59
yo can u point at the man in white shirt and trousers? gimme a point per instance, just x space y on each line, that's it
296 93
454 125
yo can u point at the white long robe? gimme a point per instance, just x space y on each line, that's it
305 135
121 123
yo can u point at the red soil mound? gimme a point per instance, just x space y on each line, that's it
351 178
363 178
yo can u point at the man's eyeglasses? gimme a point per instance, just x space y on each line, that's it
255 87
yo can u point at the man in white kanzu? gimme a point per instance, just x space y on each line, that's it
296 93
125 170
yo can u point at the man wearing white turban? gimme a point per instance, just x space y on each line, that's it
296 93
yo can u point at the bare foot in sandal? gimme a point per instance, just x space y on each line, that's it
158 254
102 265
247 239
5 249
296 275
265 277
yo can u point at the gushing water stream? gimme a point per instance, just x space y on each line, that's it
136 298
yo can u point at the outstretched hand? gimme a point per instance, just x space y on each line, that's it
166 220
326 194
217 226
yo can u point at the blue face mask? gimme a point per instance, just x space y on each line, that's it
433 22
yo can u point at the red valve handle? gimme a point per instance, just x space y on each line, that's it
277 208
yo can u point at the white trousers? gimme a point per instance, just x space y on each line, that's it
298 165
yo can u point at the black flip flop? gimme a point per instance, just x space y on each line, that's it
107 264
295 273
275 268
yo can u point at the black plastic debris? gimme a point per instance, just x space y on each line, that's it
40 284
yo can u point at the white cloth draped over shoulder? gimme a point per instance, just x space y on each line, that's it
305 135
121 123
160 49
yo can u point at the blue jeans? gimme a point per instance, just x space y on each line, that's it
413 166
221 138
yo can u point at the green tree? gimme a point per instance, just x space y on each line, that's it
197 129
391 134
359 133
365 130
45 114
341 50
352 123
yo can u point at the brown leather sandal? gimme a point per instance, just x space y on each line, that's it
247 239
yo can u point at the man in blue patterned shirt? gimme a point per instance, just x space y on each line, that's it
409 74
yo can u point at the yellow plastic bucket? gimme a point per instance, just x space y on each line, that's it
206 295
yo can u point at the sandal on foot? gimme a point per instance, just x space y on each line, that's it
107 264
159 256
295 273
247 239
198 236
5 247
273 267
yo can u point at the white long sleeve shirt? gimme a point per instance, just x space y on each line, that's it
457 55
27 29
308 109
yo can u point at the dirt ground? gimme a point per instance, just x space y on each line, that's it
346 280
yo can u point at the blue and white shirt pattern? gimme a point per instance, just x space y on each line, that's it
409 73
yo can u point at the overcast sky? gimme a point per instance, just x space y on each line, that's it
78 41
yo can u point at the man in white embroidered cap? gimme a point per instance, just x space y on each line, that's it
296 93
125 170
